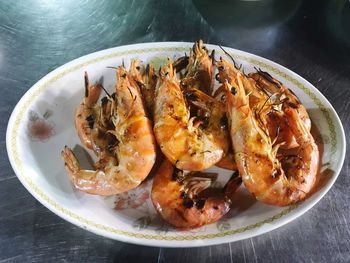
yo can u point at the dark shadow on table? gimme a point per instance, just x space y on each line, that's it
271 27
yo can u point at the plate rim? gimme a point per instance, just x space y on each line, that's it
30 186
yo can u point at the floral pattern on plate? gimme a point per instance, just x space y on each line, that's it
40 128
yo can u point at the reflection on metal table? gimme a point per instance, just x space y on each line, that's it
308 37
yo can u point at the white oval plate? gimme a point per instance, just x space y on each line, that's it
42 123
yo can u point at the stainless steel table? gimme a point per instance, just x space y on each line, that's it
311 38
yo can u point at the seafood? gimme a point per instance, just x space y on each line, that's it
251 124
87 112
278 122
136 70
181 63
200 69
188 142
132 146
257 98
186 200
228 72
147 83
273 179
266 97
228 161
146 79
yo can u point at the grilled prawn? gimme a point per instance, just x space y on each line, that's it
273 179
132 146
186 200
278 127
87 113
189 143
200 69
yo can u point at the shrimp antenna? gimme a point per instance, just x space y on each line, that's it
109 96
227 54
212 56
86 81
262 89
269 77
112 67
130 93
266 102
261 123
277 134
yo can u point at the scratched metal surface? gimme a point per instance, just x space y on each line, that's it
311 38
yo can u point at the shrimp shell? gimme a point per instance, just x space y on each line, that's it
173 204
118 170
181 138
263 174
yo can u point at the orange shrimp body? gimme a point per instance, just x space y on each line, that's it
146 79
118 169
276 181
200 69
178 208
187 143
278 121
87 113
228 162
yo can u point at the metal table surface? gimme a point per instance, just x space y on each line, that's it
311 38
